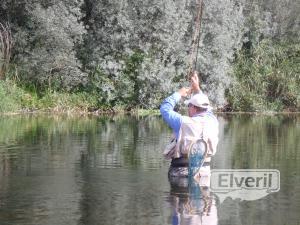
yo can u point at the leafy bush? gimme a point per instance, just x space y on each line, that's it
267 77
46 35
121 90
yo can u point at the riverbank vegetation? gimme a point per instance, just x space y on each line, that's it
266 78
101 93
15 97
99 56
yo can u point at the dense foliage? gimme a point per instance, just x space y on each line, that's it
267 77
128 54
45 36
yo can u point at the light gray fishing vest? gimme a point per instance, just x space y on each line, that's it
191 130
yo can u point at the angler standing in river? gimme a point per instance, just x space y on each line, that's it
200 124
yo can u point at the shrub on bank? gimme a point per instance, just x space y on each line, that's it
267 78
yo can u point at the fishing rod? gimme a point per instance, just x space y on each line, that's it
195 41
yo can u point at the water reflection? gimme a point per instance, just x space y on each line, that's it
262 142
110 170
192 202
71 170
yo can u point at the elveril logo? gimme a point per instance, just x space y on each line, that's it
244 184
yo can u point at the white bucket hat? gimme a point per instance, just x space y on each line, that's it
199 100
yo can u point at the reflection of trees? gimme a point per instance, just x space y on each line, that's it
59 165
39 152
103 141
130 194
49 162
48 138
263 142
127 141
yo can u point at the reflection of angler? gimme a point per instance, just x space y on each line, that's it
192 203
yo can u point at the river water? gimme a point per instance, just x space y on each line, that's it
110 170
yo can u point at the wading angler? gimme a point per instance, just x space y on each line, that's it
195 136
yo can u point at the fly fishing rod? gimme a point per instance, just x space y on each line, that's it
195 41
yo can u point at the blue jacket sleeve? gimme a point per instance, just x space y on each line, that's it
172 118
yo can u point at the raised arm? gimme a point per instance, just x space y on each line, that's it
172 118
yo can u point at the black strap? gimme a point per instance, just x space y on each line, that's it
184 162
180 162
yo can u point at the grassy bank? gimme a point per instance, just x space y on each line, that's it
16 98
266 78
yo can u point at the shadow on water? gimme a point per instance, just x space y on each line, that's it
110 170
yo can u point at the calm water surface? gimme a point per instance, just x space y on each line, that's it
110 170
